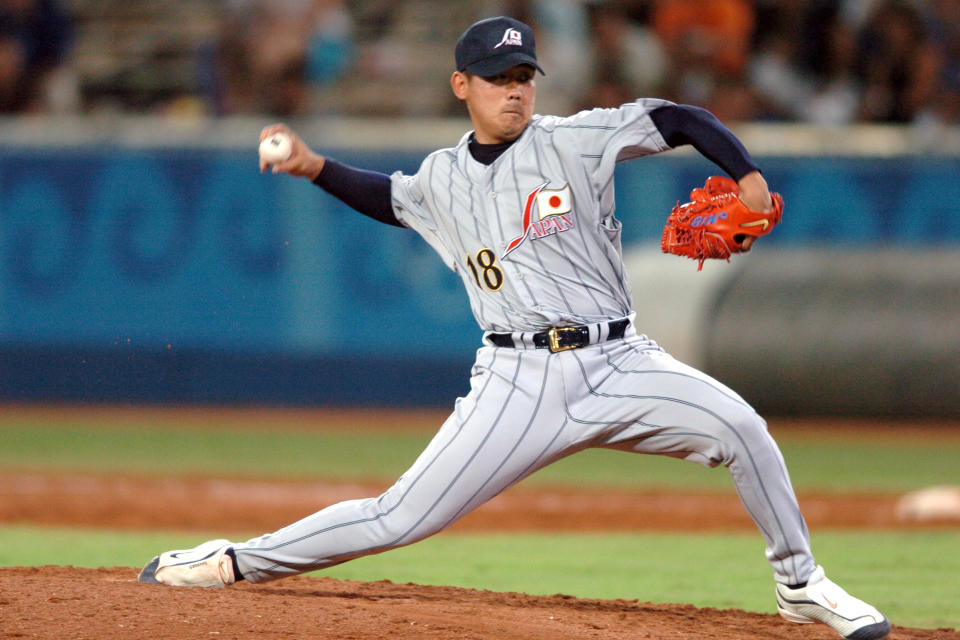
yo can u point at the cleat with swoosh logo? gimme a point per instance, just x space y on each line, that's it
822 600
206 565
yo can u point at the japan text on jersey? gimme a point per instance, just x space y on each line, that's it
554 214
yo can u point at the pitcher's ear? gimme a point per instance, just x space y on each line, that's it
458 82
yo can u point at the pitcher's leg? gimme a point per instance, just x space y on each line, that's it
348 529
672 409
499 433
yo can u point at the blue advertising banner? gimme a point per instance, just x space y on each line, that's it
187 256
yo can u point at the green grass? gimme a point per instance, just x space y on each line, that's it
243 453
885 464
914 577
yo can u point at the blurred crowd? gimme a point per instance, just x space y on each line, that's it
35 37
817 61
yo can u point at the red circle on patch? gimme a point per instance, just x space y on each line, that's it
555 201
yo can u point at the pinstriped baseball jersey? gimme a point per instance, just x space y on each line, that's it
534 239
533 235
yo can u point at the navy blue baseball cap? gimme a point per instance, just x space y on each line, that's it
494 45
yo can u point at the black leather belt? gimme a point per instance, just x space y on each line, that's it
563 338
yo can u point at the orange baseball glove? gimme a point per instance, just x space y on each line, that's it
715 222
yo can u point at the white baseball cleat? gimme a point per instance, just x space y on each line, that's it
206 565
824 601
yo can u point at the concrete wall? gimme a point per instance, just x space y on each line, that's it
816 332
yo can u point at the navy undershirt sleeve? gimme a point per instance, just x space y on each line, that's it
366 191
682 124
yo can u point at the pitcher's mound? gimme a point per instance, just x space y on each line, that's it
66 602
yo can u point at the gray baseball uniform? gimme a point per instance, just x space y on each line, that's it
534 238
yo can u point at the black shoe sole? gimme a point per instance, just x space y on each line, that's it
871 632
147 575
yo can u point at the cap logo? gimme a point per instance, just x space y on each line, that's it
512 37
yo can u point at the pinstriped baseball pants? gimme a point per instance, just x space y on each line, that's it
527 408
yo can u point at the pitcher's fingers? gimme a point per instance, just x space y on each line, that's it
271 129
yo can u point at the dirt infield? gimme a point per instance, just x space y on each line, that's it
194 503
67 603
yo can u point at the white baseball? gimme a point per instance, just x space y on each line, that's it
276 148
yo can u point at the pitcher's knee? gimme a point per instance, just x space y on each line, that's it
744 431
751 425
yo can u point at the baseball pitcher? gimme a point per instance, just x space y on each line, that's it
522 210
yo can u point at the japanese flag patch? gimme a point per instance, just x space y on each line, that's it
552 202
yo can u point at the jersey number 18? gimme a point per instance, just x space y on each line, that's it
488 273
